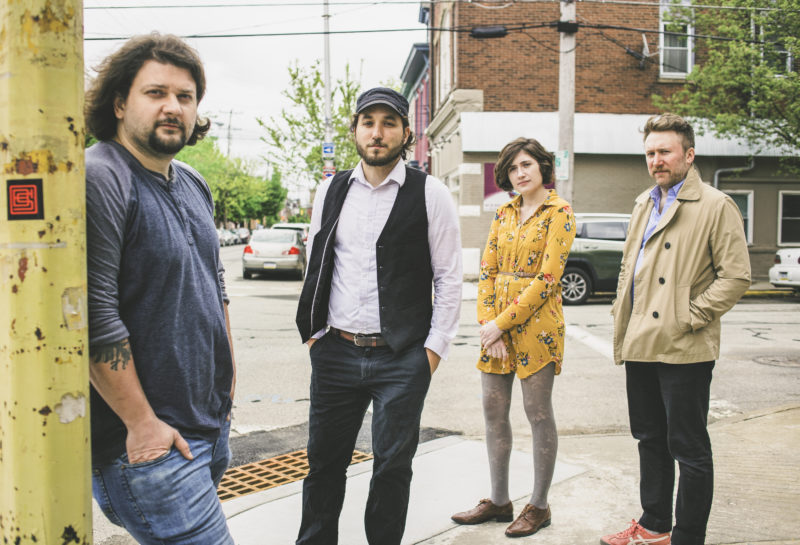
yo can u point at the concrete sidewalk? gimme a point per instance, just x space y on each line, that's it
595 490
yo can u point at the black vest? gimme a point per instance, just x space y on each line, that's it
403 256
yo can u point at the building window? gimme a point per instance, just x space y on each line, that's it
744 200
676 46
788 218
774 52
444 81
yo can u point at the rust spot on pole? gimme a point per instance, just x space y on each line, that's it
44 411
39 334
25 166
23 268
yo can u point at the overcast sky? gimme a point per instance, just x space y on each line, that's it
248 74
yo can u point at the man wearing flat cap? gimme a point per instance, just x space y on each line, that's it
384 238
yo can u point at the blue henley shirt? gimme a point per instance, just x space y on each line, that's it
155 277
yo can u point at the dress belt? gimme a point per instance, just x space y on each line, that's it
364 340
519 274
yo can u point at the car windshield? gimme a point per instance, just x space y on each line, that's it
268 235
605 230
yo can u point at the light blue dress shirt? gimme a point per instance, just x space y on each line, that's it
655 217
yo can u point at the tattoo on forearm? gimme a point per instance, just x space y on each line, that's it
113 354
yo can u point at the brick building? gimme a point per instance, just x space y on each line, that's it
482 93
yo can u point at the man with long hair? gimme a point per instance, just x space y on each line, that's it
161 355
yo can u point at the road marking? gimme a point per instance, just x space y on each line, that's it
597 344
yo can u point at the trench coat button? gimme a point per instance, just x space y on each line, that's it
667 245
661 280
655 314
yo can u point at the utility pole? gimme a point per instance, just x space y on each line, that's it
230 120
45 496
328 151
565 157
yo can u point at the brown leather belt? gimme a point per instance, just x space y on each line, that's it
364 340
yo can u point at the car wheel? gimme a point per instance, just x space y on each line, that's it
247 274
576 286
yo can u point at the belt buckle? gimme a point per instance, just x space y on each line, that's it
356 337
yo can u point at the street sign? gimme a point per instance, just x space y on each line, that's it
562 165
327 150
327 171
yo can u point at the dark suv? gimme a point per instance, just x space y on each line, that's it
595 257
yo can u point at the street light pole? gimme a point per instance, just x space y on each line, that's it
328 158
567 27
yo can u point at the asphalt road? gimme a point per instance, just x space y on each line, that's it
759 368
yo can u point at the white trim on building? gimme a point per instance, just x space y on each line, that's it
606 134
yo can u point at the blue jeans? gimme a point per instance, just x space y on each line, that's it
169 500
344 379
668 409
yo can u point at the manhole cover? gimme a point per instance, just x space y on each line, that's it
265 474
778 361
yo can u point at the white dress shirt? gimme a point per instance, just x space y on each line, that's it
353 304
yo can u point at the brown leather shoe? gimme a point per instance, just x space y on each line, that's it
530 520
485 510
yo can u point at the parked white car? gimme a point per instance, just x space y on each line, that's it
302 227
785 273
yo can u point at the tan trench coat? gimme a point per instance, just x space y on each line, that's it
695 268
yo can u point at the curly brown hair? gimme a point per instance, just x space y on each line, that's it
117 72
532 147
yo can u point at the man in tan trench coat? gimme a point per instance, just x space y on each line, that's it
685 263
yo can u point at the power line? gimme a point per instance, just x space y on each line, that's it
483 4
689 6
272 34
257 5
511 28
515 27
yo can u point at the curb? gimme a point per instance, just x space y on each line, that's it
778 292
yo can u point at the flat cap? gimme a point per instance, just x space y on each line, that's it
382 95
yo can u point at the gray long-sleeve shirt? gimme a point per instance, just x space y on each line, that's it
155 278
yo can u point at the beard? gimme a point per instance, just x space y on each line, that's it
391 156
170 145
674 176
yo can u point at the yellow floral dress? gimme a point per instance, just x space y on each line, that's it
520 285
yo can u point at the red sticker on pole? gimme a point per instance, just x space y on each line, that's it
25 200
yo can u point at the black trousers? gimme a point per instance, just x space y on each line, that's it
668 409
344 379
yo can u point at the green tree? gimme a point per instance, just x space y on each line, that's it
746 84
238 194
294 139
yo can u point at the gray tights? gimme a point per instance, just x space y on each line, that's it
537 391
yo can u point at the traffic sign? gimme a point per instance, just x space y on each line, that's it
327 150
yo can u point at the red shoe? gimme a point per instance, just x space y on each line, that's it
635 535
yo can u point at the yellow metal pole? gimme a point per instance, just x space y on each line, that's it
45 490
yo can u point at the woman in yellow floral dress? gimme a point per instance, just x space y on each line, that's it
522 333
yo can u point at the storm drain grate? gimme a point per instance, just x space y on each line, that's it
266 474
